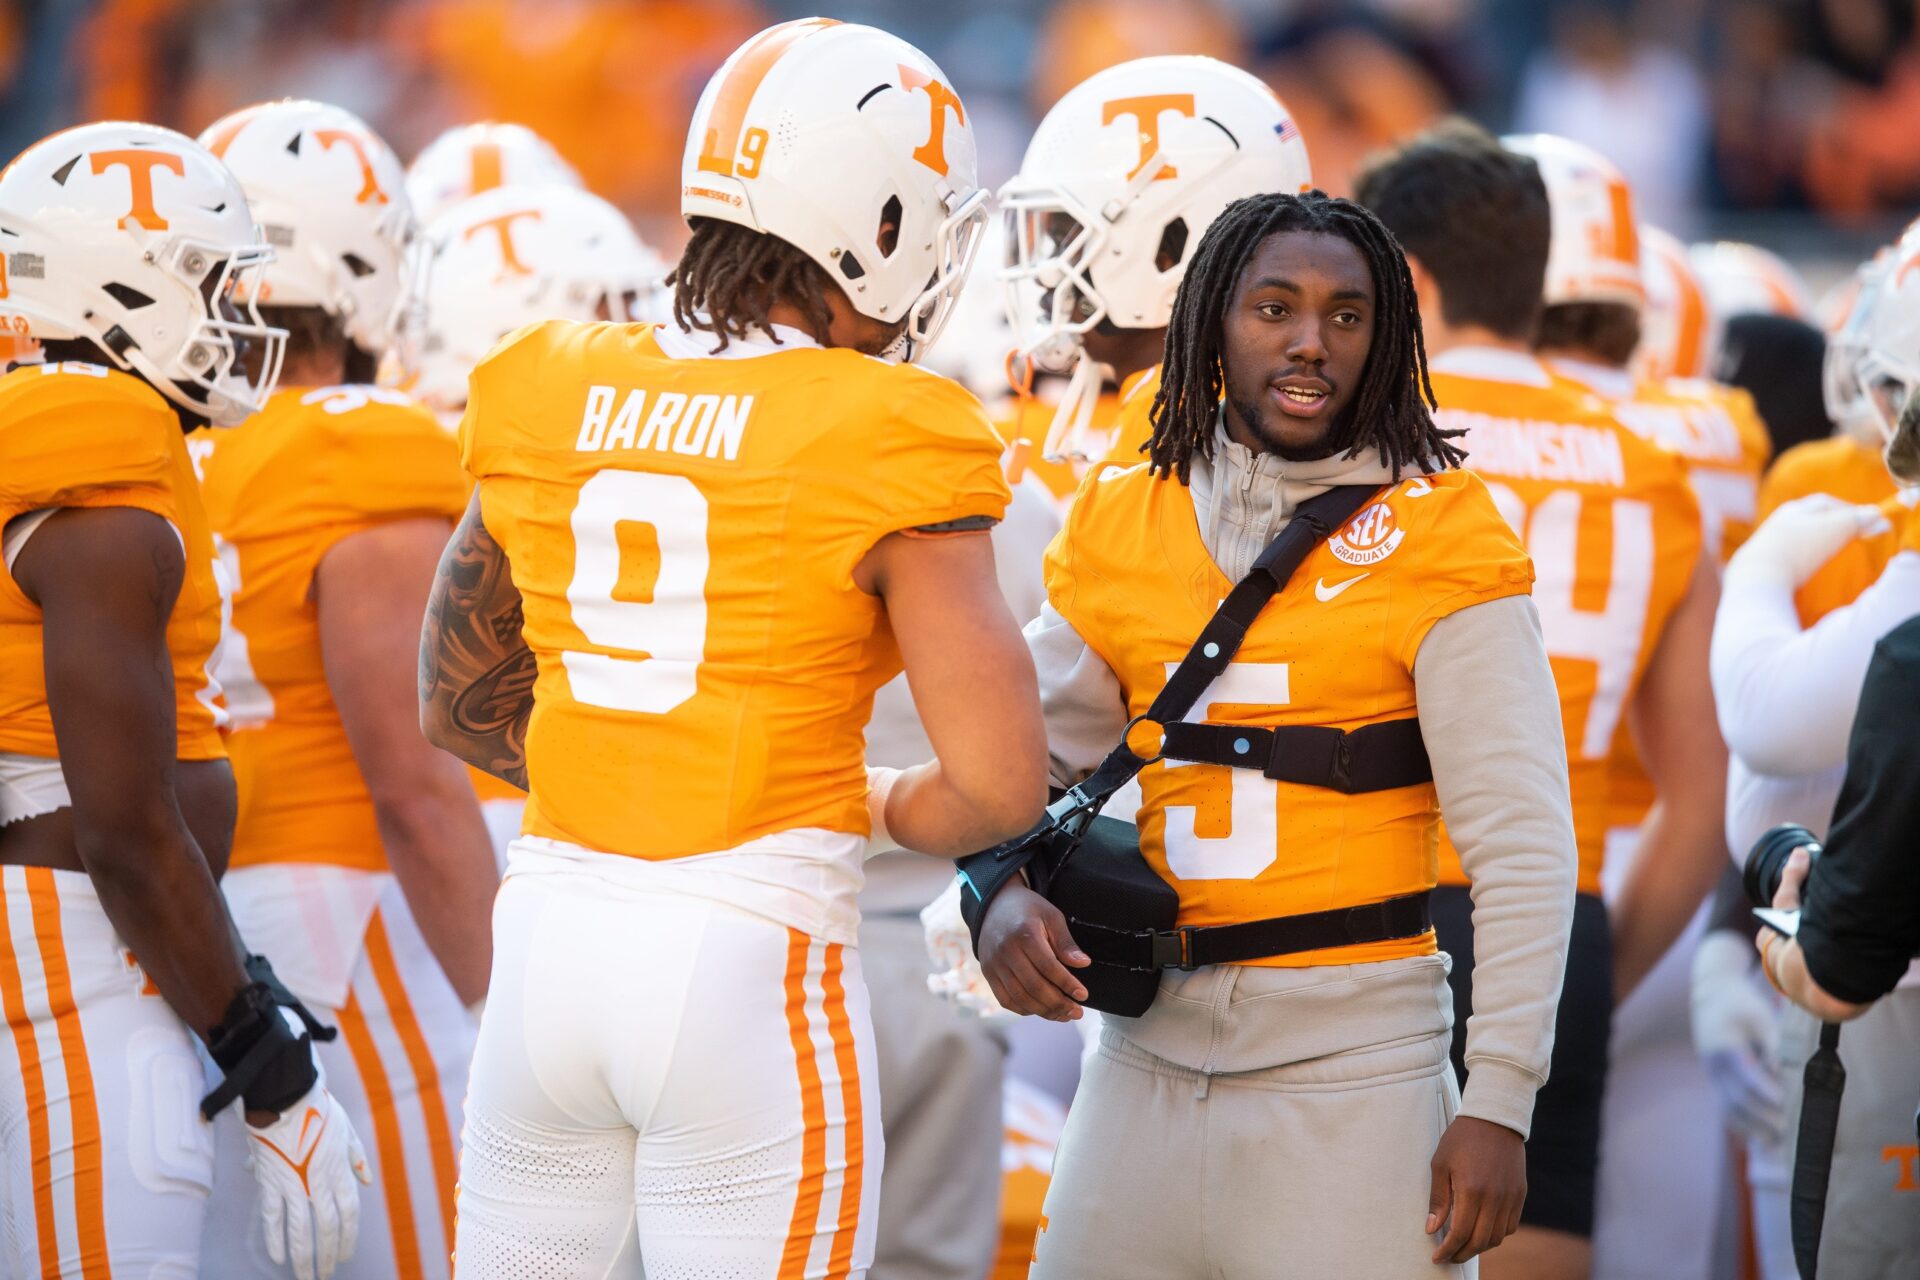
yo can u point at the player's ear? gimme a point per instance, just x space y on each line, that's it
1425 287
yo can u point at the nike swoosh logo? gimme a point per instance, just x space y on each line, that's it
1418 489
1323 593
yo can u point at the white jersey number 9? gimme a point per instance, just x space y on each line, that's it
661 641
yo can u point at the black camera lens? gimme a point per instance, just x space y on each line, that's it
1768 858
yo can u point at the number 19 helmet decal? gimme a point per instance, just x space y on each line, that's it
827 134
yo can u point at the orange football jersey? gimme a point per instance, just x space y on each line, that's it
316 466
684 533
80 435
1024 426
1133 428
1853 472
1615 535
1336 647
1717 434
1839 465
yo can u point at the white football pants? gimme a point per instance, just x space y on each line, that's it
666 1075
108 1164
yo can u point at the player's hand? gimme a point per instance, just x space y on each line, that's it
1801 536
1025 950
956 975
1734 1024
1479 1184
309 1166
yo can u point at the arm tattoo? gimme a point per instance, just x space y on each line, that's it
476 671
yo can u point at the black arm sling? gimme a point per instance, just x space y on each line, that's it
1119 910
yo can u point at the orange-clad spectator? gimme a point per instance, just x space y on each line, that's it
12 44
594 62
121 78
1353 92
1080 37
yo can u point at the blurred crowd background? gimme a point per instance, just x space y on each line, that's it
1792 123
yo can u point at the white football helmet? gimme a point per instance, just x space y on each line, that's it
135 238
332 199
1884 336
820 133
470 158
510 257
1122 179
1594 253
1840 390
1677 328
1744 278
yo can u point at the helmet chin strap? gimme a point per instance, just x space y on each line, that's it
902 350
1069 434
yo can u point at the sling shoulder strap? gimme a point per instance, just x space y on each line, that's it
1211 653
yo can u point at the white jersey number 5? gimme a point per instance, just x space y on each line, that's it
660 641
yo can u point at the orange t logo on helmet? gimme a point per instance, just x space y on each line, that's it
369 185
484 166
140 166
1620 241
1146 111
510 263
933 152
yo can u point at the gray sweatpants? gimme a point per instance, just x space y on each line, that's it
940 1079
1872 1229
1259 1124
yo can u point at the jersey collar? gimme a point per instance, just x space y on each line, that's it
698 344
1493 364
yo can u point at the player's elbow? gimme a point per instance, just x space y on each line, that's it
1014 806
419 818
1009 795
130 845
436 726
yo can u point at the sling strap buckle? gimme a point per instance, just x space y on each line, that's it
1172 948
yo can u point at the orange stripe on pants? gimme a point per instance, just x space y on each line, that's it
840 1029
386 1135
39 1143
426 1077
89 1199
813 1116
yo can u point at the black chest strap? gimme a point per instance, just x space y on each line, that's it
1376 757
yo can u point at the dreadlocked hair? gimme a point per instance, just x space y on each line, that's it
1391 409
735 275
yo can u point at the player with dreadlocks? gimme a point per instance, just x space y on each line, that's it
1199 1142
733 281
1388 412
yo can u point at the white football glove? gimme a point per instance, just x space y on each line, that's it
1793 542
958 976
306 1164
1735 1021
